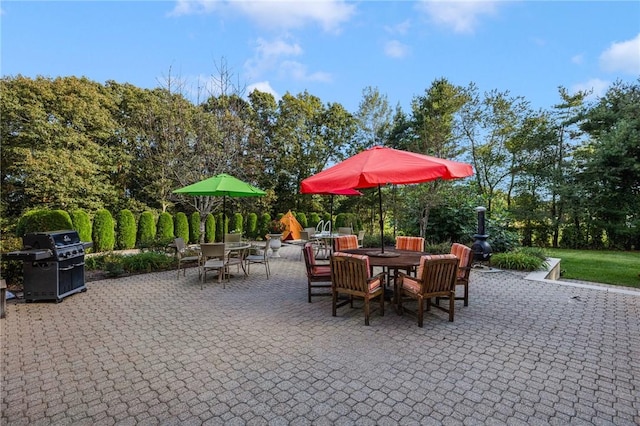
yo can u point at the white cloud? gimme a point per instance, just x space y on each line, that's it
622 56
396 49
268 55
596 86
276 55
298 72
263 86
401 28
578 59
461 16
330 15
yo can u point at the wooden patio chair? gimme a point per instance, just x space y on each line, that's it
345 242
351 276
318 275
436 277
465 258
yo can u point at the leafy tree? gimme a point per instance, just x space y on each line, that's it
610 163
434 132
57 144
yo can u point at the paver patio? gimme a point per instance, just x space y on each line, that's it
150 349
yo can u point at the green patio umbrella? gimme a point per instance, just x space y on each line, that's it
222 185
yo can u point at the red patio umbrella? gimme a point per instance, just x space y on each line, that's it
379 166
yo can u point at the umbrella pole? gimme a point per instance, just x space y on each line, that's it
381 220
331 215
224 216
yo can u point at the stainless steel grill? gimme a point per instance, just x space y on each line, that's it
53 264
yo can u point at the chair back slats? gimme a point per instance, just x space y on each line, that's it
309 257
438 273
410 243
465 256
180 245
212 250
345 242
232 238
349 273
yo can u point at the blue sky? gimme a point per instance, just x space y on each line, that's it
332 49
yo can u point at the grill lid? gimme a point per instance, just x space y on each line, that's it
51 240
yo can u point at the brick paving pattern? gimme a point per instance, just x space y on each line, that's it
153 349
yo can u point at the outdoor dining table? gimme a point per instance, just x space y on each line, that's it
393 260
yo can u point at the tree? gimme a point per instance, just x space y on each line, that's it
373 119
610 163
490 125
57 144
433 131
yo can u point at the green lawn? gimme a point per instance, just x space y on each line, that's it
607 267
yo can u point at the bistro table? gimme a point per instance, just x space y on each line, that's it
327 243
393 259
239 247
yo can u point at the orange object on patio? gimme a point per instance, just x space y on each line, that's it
293 227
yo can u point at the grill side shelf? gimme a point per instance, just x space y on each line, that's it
27 255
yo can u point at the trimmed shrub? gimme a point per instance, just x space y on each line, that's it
125 230
302 219
194 228
221 227
210 229
103 233
82 224
42 221
314 219
165 227
181 226
519 260
251 226
146 228
235 223
263 225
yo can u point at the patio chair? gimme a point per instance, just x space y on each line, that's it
345 230
232 238
411 244
345 242
213 257
465 257
318 275
351 276
258 255
436 277
361 239
185 255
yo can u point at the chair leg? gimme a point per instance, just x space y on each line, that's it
466 294
421 311
382 304
309 292
452 304
334 302
366 311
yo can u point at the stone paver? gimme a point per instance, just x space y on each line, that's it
153 349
